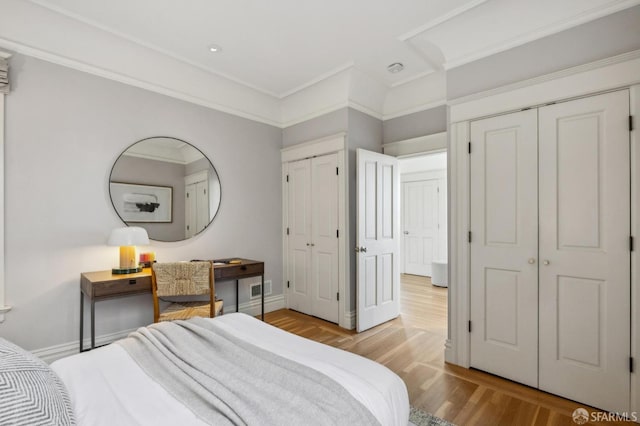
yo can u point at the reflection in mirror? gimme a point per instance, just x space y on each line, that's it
166 186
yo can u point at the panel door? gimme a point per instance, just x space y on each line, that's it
324 237
584 250
202 205
378 240
299 252
190 210
504 247
420 225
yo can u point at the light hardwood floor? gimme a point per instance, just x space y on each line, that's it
413 347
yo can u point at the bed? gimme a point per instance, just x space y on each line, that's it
107 386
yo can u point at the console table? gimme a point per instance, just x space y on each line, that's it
102 285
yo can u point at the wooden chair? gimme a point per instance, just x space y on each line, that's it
182 279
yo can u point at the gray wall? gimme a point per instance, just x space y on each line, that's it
608 36
64 130
158 173
325 125
420 123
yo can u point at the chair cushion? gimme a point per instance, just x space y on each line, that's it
30 392
186 310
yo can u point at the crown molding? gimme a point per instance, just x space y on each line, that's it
415 109
624 57
441 19
131 81
587 16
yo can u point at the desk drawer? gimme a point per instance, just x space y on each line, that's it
123 286
239 271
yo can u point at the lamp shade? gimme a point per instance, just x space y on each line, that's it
128 236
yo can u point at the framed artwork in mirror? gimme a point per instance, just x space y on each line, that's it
138 203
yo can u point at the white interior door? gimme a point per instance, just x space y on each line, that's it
190 211
202 205
420 209
299 252
504 246
324 237
584 250
378 240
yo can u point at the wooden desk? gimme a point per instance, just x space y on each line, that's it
246 269
103 285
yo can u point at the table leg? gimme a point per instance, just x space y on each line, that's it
81 319
237 298
262 293
93 323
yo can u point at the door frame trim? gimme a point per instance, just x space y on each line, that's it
625 75
336 143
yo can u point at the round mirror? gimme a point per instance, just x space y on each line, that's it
166 186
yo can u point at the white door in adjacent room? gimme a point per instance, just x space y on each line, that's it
378 240
420 225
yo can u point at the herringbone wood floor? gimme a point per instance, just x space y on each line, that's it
413 347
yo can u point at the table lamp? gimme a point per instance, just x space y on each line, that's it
127 238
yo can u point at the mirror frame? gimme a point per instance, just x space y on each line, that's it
110 181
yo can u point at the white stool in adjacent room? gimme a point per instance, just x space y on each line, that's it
439 273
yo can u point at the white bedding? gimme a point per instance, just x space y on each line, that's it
108 387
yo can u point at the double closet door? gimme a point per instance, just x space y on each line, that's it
313 236
550 253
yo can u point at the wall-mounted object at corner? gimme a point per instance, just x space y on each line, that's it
167 186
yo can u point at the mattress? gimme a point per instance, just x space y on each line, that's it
108 387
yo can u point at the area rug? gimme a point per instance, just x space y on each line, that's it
418 417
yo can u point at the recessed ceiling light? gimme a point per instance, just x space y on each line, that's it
396 67
214 48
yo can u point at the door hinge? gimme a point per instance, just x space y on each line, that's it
630 364
287 231
287 178
288 284
469 326
337 233
631 123
631 243
187 195
438 189
469 147
469 237
338 296
337 171
205 191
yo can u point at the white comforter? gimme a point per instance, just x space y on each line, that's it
108 388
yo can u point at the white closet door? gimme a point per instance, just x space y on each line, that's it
324 238
420 223
504 225
584 250
299 252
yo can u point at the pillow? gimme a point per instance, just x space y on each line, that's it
30 392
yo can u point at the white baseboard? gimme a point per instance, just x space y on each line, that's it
449 353
350 319
56 352
52 353
271 303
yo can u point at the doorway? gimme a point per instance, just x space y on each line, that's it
423 212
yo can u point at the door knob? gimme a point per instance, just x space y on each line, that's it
363 249
406 232
532 261
313 245
546 262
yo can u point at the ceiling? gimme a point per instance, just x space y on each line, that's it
281 46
